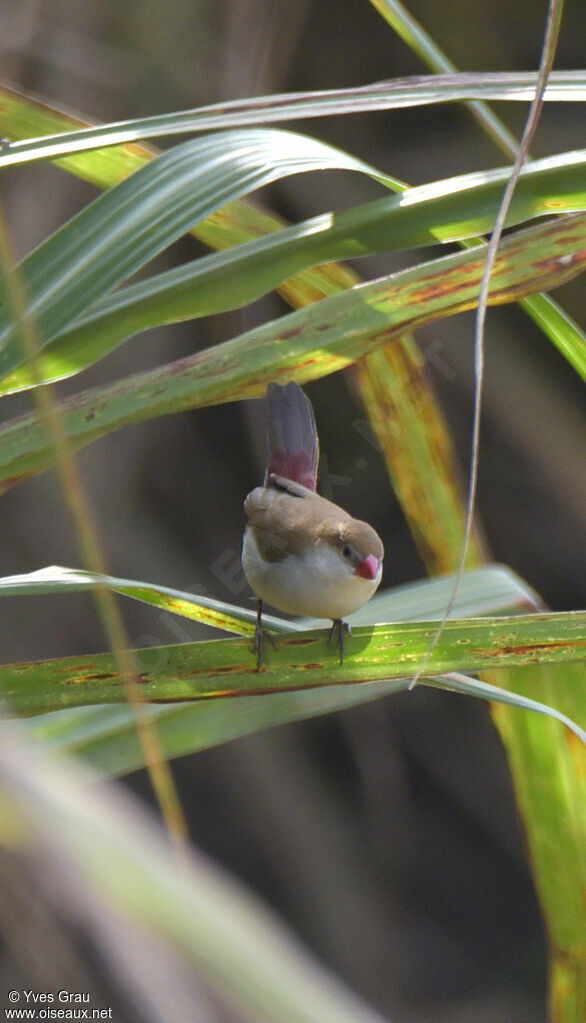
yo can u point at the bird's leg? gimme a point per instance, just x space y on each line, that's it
260 635
341 629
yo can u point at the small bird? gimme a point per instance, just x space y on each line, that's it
301 553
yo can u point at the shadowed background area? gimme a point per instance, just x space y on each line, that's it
387 836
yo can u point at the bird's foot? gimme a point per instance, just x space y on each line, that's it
261 635
340 629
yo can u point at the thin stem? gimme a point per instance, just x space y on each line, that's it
554 14
92 553
419 40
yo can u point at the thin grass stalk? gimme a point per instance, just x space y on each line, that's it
567 985
92 555
420 42
547 57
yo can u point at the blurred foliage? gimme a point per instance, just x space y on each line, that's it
284 794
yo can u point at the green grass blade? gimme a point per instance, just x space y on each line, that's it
218 614
549 771
227 667
565 333
563 86
490 589
131 223
496 695
549 316
421 43
22 117
444 211
118 859
106 735
320 339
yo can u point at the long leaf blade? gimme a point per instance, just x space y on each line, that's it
22 117
226 667
60 286
306 344
565 86
118 857
106 735
131 223
490 589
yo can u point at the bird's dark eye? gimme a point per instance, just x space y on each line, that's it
346 551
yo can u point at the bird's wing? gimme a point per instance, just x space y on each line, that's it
283 518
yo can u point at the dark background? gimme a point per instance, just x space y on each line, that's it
388 835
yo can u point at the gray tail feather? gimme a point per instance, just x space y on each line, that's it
292 435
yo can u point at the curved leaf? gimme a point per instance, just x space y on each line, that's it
218 614
23 116
488 589
454 682
135 220
449 210
106 735
306 344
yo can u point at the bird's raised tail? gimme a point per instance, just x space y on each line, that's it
292 436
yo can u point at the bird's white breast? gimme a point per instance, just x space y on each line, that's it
318 583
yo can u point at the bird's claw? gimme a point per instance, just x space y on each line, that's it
260 637
341 629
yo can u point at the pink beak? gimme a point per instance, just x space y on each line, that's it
367 568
